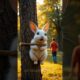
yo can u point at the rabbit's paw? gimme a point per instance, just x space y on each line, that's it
35 62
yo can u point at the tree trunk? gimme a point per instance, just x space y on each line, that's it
28 13
71 30
8 31
65 4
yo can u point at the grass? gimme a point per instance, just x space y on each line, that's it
50 71
19 69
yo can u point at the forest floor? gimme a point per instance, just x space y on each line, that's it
50 70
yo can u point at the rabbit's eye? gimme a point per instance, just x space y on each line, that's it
45 34
37 33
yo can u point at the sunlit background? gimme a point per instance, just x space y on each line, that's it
40 1
51 11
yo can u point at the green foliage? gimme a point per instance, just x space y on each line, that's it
47 13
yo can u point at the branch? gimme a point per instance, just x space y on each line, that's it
28 44
68 39
8 53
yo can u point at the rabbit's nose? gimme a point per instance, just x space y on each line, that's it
42 38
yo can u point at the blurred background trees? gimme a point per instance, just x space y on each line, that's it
71 27
51 11
71 30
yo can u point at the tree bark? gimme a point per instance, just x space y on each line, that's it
71 30
8 31
28 13
65 4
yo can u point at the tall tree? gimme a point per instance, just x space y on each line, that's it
8 31
28 13
71 28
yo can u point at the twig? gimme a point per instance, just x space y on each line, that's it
28 44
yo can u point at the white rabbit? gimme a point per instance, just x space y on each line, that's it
38 53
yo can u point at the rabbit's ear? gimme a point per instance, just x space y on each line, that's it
46 27
33 26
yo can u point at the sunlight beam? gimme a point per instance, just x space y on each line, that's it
40 1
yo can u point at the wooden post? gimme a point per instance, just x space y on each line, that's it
28 13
